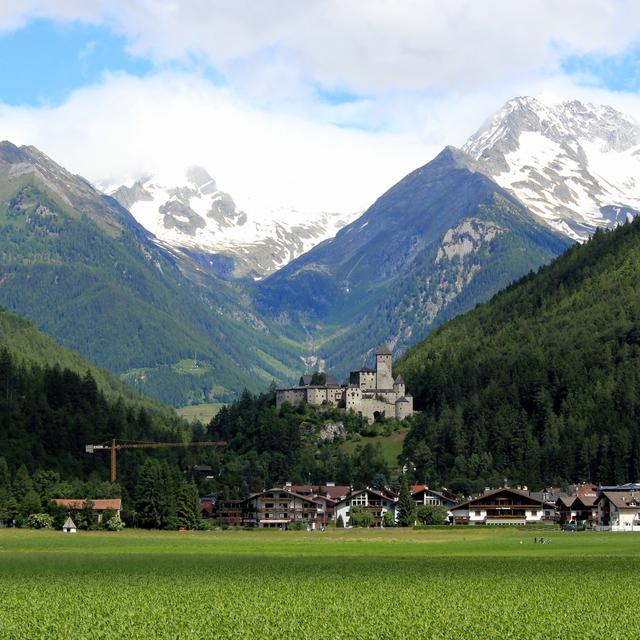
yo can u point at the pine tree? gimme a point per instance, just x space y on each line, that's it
406 507
22 484
187 511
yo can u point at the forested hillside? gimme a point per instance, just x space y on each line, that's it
27 345
542 383
77 264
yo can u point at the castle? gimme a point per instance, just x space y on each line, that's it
369 392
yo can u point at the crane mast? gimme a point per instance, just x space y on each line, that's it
114 446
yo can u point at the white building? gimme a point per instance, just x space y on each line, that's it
500 507
370 500
619 510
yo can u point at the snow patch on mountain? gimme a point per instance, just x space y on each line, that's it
575 165
191 212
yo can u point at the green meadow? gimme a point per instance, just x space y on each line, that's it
444 583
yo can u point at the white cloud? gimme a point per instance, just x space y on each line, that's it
430 73
127 126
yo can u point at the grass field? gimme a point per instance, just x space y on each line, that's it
202 412
391 445
462 583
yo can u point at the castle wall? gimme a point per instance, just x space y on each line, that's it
404 409
293 396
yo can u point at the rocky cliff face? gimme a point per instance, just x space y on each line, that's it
576 166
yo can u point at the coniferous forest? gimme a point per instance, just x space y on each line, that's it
541 384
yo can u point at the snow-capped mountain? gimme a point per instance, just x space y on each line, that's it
575 165
192 213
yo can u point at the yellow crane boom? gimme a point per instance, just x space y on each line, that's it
114 446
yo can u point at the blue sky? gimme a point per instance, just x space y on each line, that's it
45 61
288 97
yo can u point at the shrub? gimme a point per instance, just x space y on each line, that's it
39 521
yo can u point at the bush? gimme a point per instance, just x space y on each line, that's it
339 523
113 523
39 521
389 520
296 526
431 515
359 517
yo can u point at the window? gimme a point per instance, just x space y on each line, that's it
477 513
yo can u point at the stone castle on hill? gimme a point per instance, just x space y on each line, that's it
369 392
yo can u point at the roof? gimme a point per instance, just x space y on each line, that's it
371 491
69 524
419 488
98 504
383 351
399 380
488 494
332 491
629 486
403 399
288 490
567 501
622 499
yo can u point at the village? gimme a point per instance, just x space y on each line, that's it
586 506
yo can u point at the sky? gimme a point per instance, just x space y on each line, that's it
316 105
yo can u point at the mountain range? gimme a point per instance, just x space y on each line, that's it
171 285
189 213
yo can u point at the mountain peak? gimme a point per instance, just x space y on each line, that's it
574 164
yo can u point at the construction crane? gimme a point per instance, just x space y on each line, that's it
114 446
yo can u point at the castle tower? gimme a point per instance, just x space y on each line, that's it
399 387
384 379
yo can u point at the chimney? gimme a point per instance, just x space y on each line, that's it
330 484
287 484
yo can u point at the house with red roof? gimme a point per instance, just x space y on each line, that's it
99 506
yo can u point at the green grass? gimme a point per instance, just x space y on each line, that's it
462 583
391 445
201 412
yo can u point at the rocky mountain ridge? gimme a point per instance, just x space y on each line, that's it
574 165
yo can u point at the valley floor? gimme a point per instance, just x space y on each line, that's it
443 583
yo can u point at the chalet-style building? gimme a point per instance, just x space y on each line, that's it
619 510
503 506
325 495
279 507
578 510
99 506
375 502
229 513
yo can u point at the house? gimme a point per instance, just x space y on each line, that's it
578 509
325 495
371 393
619 510
278 507
99 506
503 506
207 506
229 513
69 526
370 500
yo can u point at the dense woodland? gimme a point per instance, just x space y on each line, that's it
542 383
